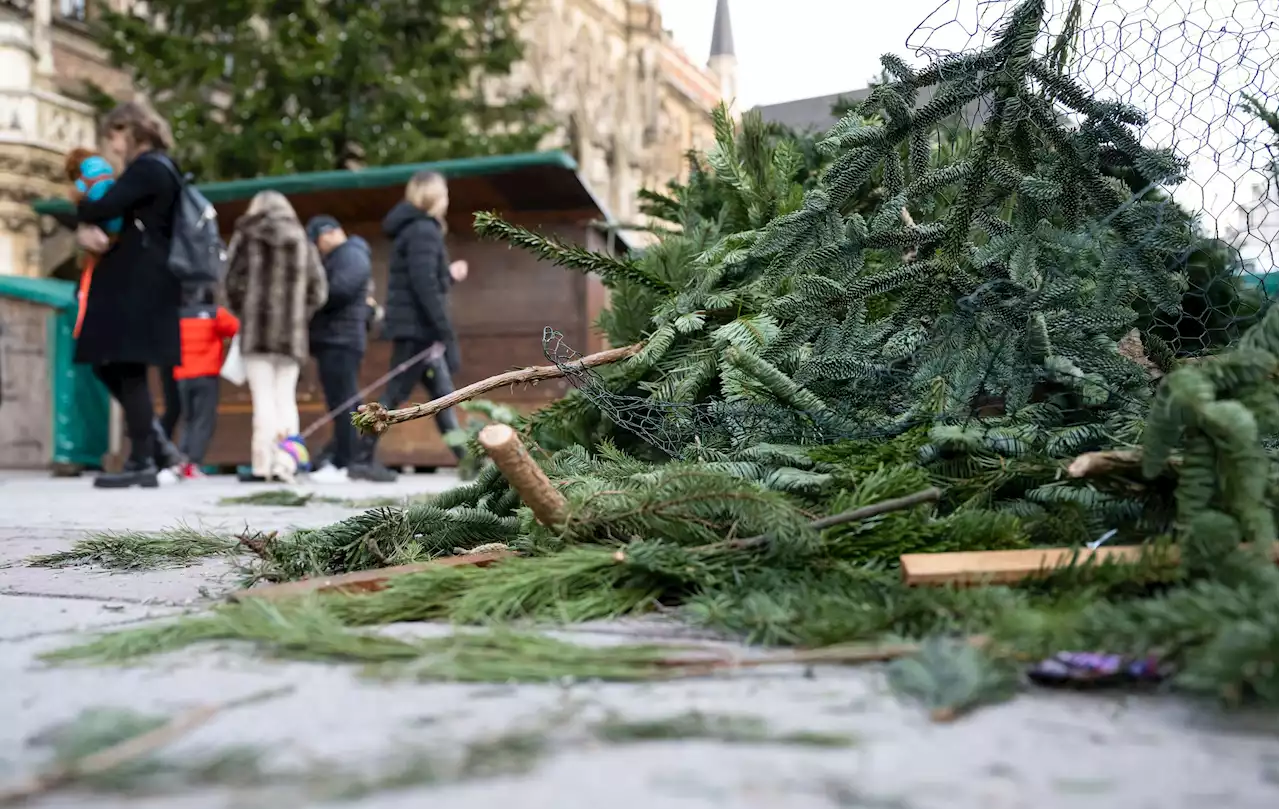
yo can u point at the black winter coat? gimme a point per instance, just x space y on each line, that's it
344 319
418 282
132 311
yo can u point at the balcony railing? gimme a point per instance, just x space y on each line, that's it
45 120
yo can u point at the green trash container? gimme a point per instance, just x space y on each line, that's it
53 413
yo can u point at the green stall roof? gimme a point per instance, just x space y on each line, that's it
53 292
529 181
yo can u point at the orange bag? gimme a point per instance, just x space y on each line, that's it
86 278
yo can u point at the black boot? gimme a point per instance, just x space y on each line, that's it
364 465
372 472
135 473
167 456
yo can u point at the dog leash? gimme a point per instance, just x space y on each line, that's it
433 352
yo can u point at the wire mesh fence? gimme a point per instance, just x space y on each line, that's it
1069 198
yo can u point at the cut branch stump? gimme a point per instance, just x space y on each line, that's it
504 447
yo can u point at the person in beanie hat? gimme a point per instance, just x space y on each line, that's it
339 334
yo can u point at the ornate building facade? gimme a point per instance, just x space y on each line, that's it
627 103
46 52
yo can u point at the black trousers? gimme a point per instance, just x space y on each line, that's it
432 374
172 402
199 397
127 383
339 371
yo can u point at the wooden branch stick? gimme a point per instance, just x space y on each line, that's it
128 750
375 418
366 581
840 654
1007 567
908 255
1090 464
504 446
928 495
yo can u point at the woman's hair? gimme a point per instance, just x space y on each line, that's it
428 192
145 127
271 202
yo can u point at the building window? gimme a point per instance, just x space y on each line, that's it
73 10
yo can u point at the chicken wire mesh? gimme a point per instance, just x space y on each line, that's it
1198 79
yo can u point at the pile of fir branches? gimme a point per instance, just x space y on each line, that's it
979 324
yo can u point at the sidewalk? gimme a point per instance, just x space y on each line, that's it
1043 750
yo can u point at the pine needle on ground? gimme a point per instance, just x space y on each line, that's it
579 584
276 497
287 498
140 550
98 729
949 677
305 630
711 727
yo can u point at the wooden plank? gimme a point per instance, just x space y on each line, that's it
364 581
1004 567
26 385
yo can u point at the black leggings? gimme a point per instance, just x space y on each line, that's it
172 403
127 383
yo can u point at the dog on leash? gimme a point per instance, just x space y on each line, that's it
289 457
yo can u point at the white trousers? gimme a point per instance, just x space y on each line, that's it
273 384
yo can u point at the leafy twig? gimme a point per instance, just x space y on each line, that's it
866 512
375 418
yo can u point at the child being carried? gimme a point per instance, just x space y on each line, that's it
91 176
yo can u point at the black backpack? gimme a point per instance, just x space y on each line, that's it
196 252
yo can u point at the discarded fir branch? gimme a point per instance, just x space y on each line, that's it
932 494
375 418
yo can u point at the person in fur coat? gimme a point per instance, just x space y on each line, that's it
275 282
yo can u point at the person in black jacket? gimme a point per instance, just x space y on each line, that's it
339 333
417 318
131 315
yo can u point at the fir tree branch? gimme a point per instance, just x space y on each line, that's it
490 226
929 495
128 750
375 418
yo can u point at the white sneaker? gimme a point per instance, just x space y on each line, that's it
329 474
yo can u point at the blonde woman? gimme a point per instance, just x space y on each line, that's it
275 283
417 312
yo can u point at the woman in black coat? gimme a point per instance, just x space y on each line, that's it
417 320
131 316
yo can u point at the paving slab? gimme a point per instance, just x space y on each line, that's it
1043 749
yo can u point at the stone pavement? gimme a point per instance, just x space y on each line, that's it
1042 750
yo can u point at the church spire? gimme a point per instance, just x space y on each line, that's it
722 31
723 63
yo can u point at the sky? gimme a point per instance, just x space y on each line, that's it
799 48
1183 62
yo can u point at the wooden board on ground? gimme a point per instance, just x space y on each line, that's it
1004 567
363 581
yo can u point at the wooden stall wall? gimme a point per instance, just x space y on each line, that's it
26 391
499 312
